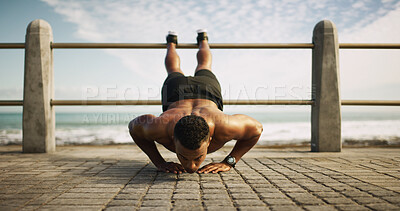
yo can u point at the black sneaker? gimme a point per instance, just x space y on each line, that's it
201 35
172 37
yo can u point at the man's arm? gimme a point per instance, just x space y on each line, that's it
142 130
244 129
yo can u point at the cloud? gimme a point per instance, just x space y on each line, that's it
237 22
372 71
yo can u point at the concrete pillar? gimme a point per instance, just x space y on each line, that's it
38 115
325 113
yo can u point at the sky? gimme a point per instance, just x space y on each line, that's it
244 74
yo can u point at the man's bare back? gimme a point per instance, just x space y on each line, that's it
148 129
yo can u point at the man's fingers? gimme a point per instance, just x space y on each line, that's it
216 171
221 169
204 168
212 169
172 169
201 169
175 168
207 168
180 167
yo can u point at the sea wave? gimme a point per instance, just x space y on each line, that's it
382 132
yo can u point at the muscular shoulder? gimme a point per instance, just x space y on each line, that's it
148 126
237 126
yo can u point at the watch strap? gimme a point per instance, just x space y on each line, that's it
230 163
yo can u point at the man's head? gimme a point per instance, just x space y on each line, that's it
191 137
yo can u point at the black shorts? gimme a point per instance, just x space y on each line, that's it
203 85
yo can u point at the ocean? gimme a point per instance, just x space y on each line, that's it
282 126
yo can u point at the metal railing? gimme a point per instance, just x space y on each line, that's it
225 102
212 45
38 125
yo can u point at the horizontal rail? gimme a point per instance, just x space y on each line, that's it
182 45
158 102
12 45
11 102
212 45
369 45
371 102
226 102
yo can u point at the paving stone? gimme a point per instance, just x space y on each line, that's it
283 201
154 208
290 181
163 196
308 201
131 196
383 206
14 202
319 207
187 203
355 194
351 207
277 195
94 190
122 208
123 203
240 190
293 190
327 194
196 208
339 200
248 202
236 185
244 196
285 208
156 203
185 196
267 190
219 208
381 193
19 196
368 200
59 201
212 186
261 185
320 188
193 191
392 199
43 199
28 207
212 191
218 202
70 207
87 195
215 196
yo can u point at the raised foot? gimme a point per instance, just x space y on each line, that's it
201 35
172 37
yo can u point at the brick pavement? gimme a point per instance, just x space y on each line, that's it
121 178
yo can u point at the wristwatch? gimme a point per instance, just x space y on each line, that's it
230 160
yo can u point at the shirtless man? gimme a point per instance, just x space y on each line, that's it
192 123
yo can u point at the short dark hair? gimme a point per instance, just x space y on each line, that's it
191 131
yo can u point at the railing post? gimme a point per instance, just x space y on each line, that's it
325 112
38 114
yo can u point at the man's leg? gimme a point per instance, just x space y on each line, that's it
204 57
172 60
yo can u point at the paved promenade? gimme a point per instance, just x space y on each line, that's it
121 178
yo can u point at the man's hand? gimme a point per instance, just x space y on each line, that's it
172 167
215 168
